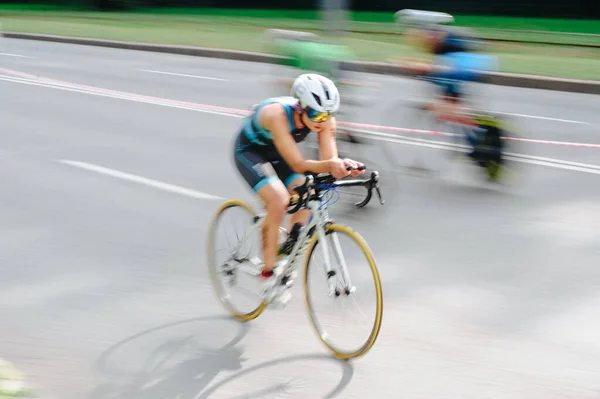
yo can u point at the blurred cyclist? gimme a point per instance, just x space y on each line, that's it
455 62
269 159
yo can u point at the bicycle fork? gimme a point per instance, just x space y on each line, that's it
331 273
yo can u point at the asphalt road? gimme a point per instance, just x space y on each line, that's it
104 291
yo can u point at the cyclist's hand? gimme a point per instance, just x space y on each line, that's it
337 168
355 165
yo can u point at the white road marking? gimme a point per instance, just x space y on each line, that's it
15 55
555 161
542 117
182 75
393 138
523 158
521 115
113 94
556 165
141 180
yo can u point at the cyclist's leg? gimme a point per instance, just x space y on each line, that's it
276 200
451 106
302 215
290 179
262 178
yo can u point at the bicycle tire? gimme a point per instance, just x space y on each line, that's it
339 228
505 171
212 267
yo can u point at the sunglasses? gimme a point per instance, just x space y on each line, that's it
318 116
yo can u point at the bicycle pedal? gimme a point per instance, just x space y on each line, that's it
289 276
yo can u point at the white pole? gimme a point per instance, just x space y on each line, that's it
333 15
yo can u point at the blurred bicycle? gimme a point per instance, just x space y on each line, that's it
458 60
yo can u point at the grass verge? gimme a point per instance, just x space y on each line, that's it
242 30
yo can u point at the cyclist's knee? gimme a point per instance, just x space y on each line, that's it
277 206
275 197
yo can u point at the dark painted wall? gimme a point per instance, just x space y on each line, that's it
530 8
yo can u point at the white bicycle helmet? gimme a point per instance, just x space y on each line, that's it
316 92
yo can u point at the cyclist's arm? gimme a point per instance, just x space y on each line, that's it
327 146
274 119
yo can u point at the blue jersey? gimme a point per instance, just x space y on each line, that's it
457 51
257 135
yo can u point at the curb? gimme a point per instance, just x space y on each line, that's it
158 48
495 78
500 79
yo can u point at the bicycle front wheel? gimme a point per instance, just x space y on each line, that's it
342 284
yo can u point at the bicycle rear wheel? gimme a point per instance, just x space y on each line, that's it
344 288
500 141
236 256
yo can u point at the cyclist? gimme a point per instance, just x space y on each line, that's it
268 157
455 62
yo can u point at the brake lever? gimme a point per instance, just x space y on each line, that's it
372 183
364 202
375 178
381 201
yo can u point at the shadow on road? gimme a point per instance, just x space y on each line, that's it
181 360
272 386
175 359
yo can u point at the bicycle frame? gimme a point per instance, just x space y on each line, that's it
317 222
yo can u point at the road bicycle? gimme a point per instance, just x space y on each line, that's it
312 195
489 151
496 135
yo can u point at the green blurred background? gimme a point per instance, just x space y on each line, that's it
561 40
